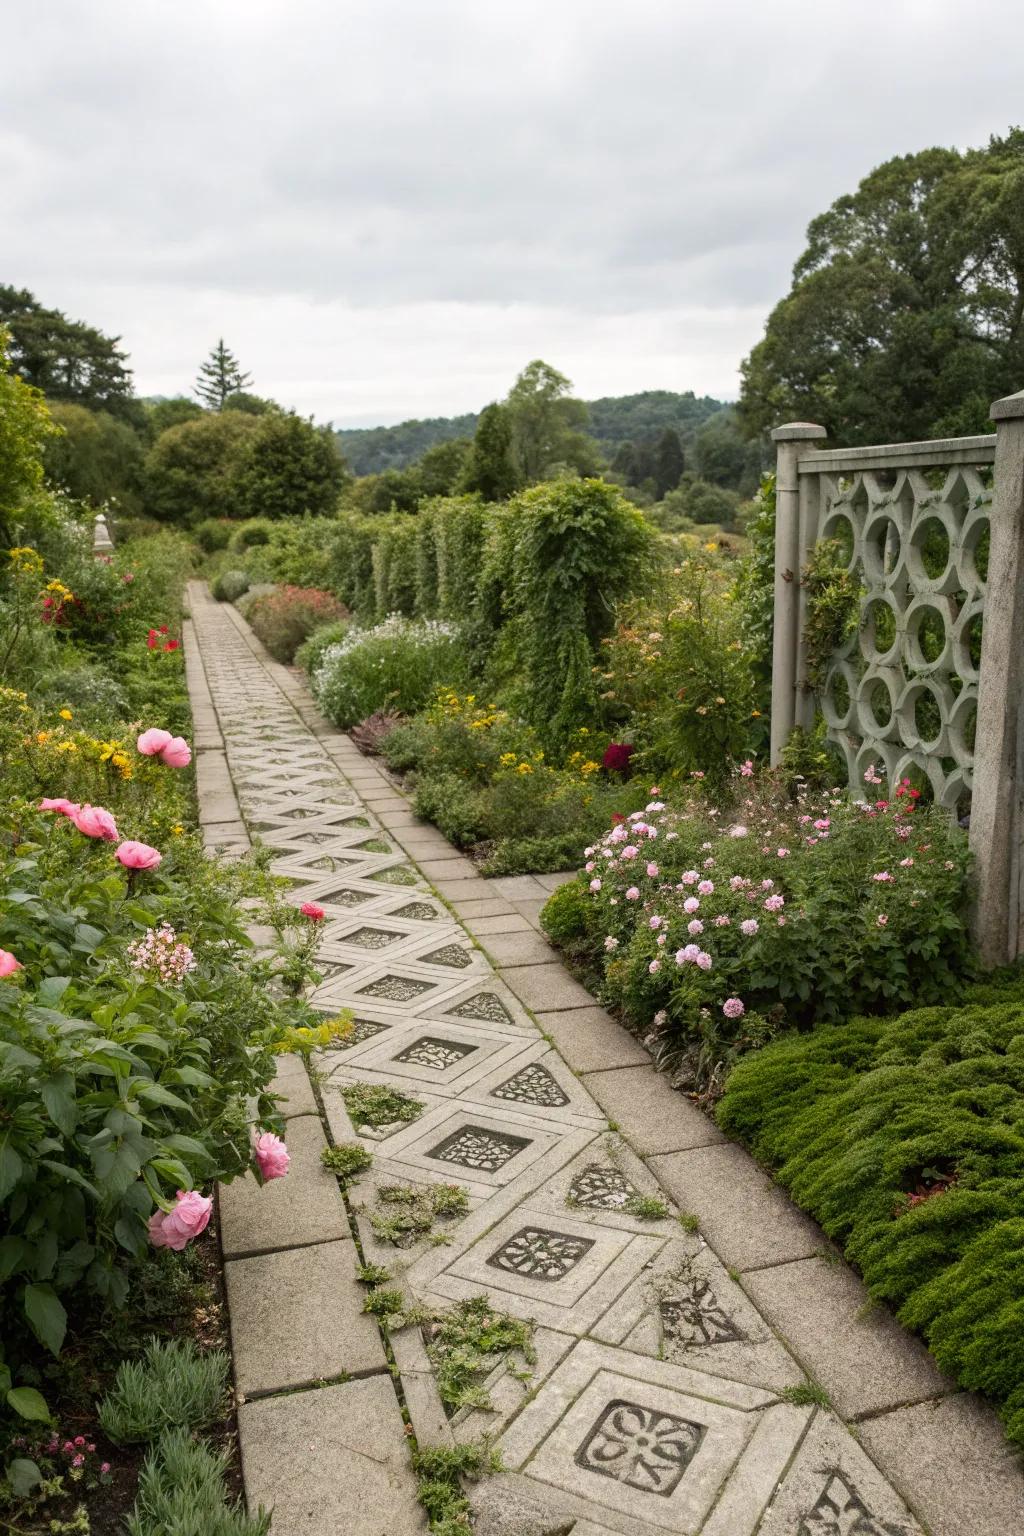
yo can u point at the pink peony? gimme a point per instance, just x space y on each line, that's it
189 1216
749 926
695 927
64 807
633 894
595 885
706 888
691 904
94 821
312 911
152 742
653 871
271 1155
8 963
704 961
733 1008
177 753
774 903
654 967
137 856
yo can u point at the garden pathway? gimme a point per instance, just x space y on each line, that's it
716 1374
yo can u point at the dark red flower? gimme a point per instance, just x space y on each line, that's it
171 645
616 757
151 640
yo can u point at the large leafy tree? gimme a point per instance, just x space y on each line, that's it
192 470
220 377
490 469
25 427
289 467
95 457
547 425
64 358
906 315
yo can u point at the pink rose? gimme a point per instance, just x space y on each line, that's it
177 753
152 742
94 821
733 1008
312 911
633 894
137 856
271 1155
175 1228
64 807
653 871
8 963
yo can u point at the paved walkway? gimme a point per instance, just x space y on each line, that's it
717 1373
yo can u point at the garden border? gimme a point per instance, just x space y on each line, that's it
880 1379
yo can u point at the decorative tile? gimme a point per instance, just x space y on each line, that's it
485 1006
371 938
431 1051
397 989
451 954
839 1510
363 1029
539 1254
532 1085
418 911
398 874
475 1148
642 1447
602 1189
692 1315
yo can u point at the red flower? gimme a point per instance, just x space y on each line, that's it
312 911
617 818
617 756
151 640
172 645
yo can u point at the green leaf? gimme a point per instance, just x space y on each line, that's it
67 1172
10 1169
23 1475
12 1251
191 1077
28 1403
60 1104
51 989
46 1316
14 1056
156 1093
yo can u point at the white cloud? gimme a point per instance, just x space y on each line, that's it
387 208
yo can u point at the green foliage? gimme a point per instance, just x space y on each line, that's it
219 377
64 358
212 535
285 618
288 468
408 1211
490 468
378 1104
833 607
755 589
864 908
229 586
699 502
903 321
397 665
546 426
311 652
560 555
647 1208
192 471
565 916
440 1470
904 1137
347 1159
384 1303
25 427
172 1386
467 1342
96 458
182 1490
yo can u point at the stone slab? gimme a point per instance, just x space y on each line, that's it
832 1487
526 947
469 908
472 888
952 1460
589 1039
748 1220
303 1207
545 987
331 1460
863 1358
297 1318
500 923
292 1081
455 868
519 887
653 1116
531 910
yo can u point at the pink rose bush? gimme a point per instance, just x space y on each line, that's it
814 913
8 963
176 1228
172 750
136 856
94 821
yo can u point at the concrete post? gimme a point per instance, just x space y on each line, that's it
996 803
786 639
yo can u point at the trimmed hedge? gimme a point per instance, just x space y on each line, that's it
904 1137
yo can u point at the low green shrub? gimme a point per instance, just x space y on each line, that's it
396 665
183 1492
286 617
172 1386
253 531
310 652
94 698
904 1138
230 585
718 933
212 534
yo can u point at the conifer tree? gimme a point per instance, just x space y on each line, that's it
219 377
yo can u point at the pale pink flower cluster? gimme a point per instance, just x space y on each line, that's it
161 954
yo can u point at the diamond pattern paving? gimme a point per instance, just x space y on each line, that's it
655 1403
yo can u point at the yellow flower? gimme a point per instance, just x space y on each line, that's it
66 746
507 759
524 768
43 737
178 831
755 714
25 558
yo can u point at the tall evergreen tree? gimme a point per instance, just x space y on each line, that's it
64 358
220 376
490 468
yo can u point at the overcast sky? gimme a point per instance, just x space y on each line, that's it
388 207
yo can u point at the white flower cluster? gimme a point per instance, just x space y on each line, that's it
162 955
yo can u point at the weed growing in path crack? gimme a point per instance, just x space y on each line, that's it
412 1210
647 1207
384 1303
467 1342
376 1104
807 1394
441 1469
372 1274
347 1161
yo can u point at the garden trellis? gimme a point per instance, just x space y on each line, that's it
934 534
